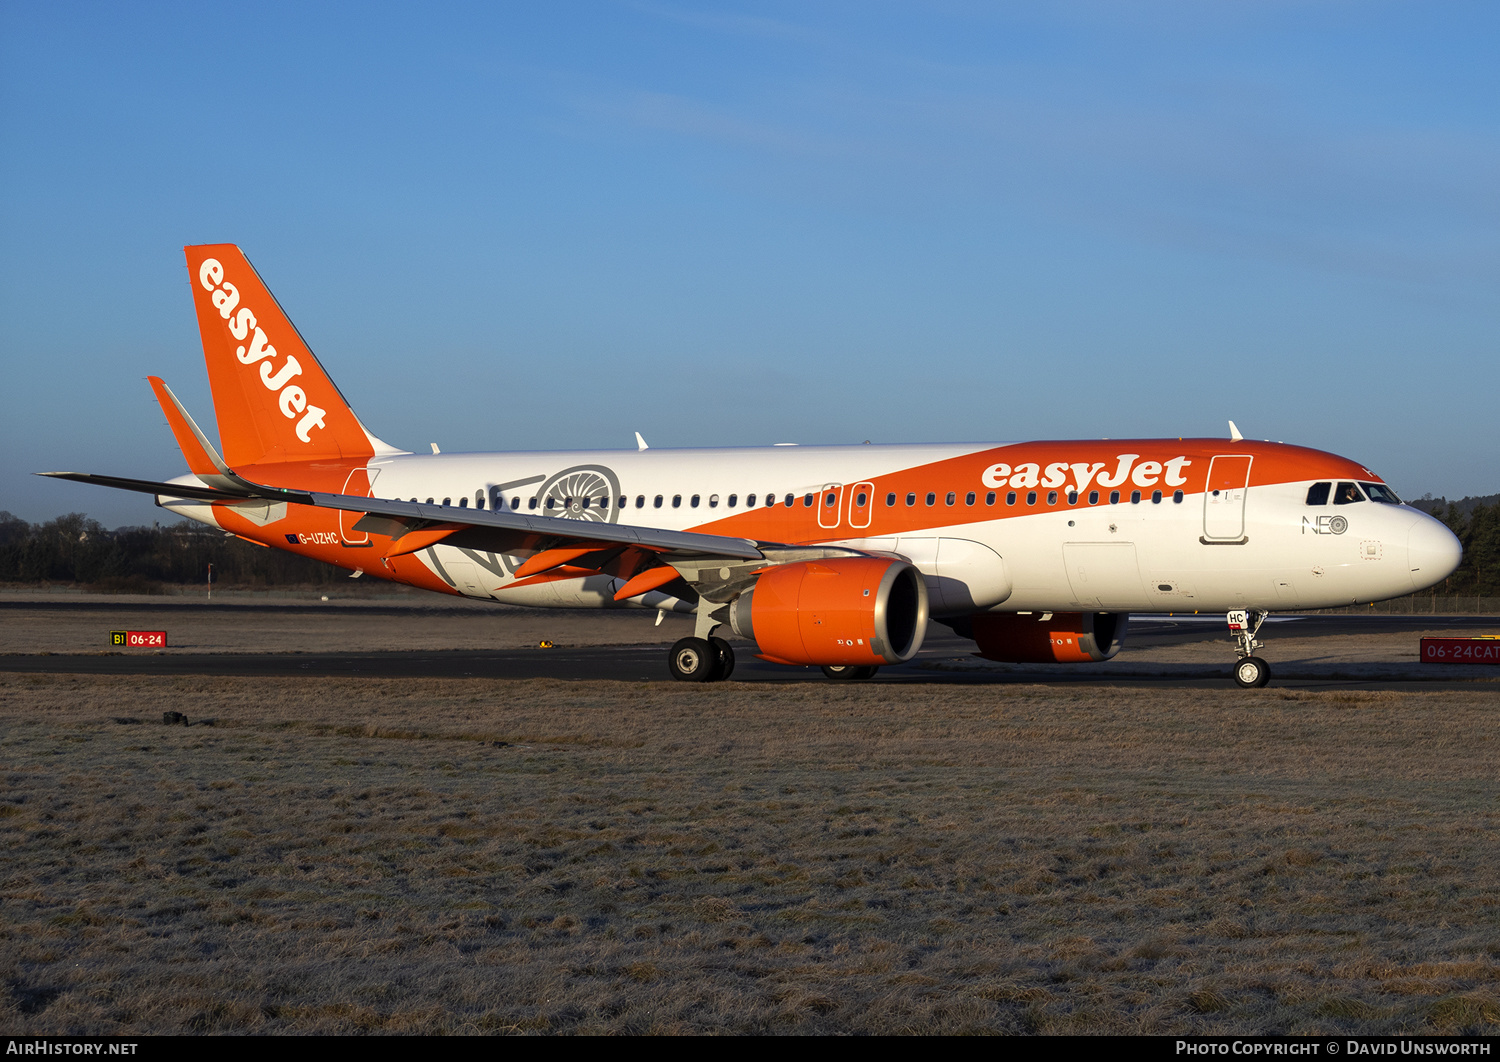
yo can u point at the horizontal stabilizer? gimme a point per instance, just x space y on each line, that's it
169 490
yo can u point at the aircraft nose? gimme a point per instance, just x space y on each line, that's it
1433 552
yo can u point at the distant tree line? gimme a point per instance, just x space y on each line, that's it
76 550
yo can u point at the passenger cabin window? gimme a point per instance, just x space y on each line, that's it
549 502
640 501
1093 497
1317 494
749 500
829 500
677 501
1135 497
531 504
463 503
860 499
1379 492
890 499
1010 498
447 501
479 499
911 499
1114 497
603 503
951 498
1177 496
807 500
657 503
969 498
931 498
1156 497
989 499
429 501
1346 494
1072 497
791 499
1031 497
694 501
1052 497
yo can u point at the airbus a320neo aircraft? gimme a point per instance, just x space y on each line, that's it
837 556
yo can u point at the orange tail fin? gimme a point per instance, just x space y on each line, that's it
273 400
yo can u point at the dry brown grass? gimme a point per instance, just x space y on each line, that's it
471 856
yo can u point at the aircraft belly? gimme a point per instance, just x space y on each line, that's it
1104 575
962 575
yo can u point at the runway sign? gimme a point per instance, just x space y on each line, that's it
139 639
1483 650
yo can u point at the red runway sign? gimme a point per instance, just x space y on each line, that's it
139 639
1461 650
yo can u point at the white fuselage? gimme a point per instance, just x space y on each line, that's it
986 549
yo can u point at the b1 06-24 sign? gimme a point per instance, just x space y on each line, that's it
139 639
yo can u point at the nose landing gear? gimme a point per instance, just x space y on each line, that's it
1251 672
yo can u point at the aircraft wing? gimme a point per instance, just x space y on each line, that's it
499 531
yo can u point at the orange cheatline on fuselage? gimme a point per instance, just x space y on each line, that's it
1039 468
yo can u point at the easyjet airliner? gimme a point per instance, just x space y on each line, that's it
838 556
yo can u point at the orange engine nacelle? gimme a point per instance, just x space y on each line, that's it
1046 637
848 610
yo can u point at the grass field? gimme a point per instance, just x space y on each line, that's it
467 856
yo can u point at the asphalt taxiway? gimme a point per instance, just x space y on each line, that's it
1305 651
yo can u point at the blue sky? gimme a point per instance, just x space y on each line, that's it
549 226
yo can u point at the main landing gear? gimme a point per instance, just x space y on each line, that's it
701 660
848 672
1250 672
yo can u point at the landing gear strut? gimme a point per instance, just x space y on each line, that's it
1251 671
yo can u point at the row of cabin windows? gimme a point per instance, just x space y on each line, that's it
1012 497
861 499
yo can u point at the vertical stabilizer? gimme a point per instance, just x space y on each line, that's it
273 400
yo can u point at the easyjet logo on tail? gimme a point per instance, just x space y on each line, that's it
291 398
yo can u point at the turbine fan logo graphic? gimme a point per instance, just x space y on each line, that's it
583 492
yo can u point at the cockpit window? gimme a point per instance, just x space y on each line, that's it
1379 492
1347 493
1317 494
